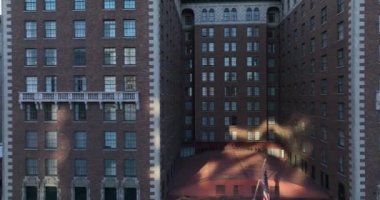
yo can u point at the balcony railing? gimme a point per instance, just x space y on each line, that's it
79 97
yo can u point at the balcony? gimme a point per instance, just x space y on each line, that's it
78 97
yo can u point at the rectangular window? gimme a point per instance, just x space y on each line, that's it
31 192
51 167
130 168
31 84
79 4
129 83
323 15
110 84
130 193
80 140
324 86
80 193
30 5
79 56
31 167
50 29
80 83
109 4
50 57
110 140
340 57
51 140
324 40
80 167
312 23
49 5
79 29
340 85
30 112
79 111
110 112
110 168
130 112
30 29
109 56
340 31
130 140
339 6
129 56
109 27
31 140
51 193
129 4
31 57
323 63
50 110
340 113
130 28
50 83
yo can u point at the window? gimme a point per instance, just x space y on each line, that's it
51 140
324 109
80 193
80 167
211 15
312 23
340 85
109 56
323 15
31 84
129 56
30 5
31 167
129 4
204 15
30 112
30 29
340 112
109 4
110 168
323 63
253 32
50 83
324 86
50 110
340 57
31 140
110 140
130 193
249 14
340 31
79 56
50 29
30 57
51 193
312 45
50 57
129 28
31 192
130 168
226 14
79 111
339 6
324 40
130 112
341 165
79 29
110 84
79 4
252 62
256 14
233 14
49 5
51 167
253 76
130 140
109 27
110 111
341 138
110 193
80 83
80 140
129 83
252 46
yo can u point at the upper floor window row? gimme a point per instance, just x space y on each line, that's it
77 5
230 15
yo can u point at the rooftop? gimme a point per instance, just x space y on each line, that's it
199 176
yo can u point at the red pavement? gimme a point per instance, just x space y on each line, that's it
199 175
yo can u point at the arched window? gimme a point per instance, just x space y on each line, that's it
204 15
211 15
233 14
256 14
249 14
226 14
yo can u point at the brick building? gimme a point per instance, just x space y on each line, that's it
91 98
109 78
